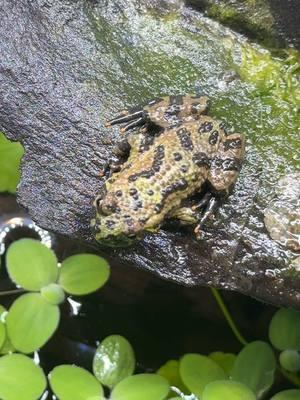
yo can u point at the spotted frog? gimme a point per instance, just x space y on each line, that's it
177 152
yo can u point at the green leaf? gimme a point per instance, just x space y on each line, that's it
31 264
290 360
2 327
114 360
284 329
170 371
53 293
291 394
255 367
69 382
20 378
31 321
227 390
141 387
6 346
83 273
10 156
224 360
197 371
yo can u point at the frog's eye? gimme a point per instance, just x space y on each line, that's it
106 208
98 203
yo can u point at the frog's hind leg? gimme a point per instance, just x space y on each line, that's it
226 164
134 118
198 213
211 206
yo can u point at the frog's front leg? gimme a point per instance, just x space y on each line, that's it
126 151
119 155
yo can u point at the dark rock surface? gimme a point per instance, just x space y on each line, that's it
66 66
272 22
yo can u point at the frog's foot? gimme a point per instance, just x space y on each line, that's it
198 213
186 215
208 213
134 119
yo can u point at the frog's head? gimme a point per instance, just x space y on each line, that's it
112 226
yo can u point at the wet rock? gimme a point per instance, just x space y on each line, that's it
66 66
282 216
271 22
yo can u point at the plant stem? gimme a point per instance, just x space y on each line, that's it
11 292
227 316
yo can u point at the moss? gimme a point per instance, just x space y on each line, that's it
251 17
279 78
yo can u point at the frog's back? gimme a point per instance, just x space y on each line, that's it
174 167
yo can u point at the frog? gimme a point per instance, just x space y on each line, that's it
175 163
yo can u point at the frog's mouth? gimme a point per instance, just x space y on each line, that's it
117 241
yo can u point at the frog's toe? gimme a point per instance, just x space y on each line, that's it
125 116
137 122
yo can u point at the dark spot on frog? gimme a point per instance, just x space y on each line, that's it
158 207
227 164
176 123
184 168
231 164
205 127
143 220
139 204
146 143
179 185
159 154
185 139
177 156
132 191
97 226
173 109
213 138
232 144
133 178
119 193
110 224
150 192
201 160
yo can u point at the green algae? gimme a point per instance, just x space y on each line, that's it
251 17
